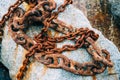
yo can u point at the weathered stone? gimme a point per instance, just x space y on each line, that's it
101 18
13 55
115 10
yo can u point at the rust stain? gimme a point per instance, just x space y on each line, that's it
98 15
44 70
94 77
28 72
111 71
9 34
16 51
26 6
100 19
56 34
49 32
24 53
13 77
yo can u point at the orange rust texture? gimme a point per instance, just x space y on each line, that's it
100 18
56 34
49 32
16 51
27 7
111 71
28 72
94 77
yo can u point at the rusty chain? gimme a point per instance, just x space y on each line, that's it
7 15
44 48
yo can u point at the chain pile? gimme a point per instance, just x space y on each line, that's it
43 47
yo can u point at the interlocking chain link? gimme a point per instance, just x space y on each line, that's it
44 47
7 15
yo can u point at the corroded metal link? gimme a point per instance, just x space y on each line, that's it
37 10
50 6
44 47
99 68
24 67
61 61
57 60
10 10
18 35
21 39
97 55
24 40
62 27
31 1
54 15
40 57
7 15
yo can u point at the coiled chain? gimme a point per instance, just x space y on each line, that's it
43 47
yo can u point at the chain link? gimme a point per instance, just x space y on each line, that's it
7 15
44 48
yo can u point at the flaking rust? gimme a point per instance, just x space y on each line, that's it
43 47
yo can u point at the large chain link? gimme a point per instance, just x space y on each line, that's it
7 15
44 48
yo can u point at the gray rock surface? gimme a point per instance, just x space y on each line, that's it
115 10
13 55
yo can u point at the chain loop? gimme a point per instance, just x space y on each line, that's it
44 47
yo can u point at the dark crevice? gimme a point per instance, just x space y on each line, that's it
4 72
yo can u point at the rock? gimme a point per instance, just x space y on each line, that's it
115 10
4 73
101 18
13 55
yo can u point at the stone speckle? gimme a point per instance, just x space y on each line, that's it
13 58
